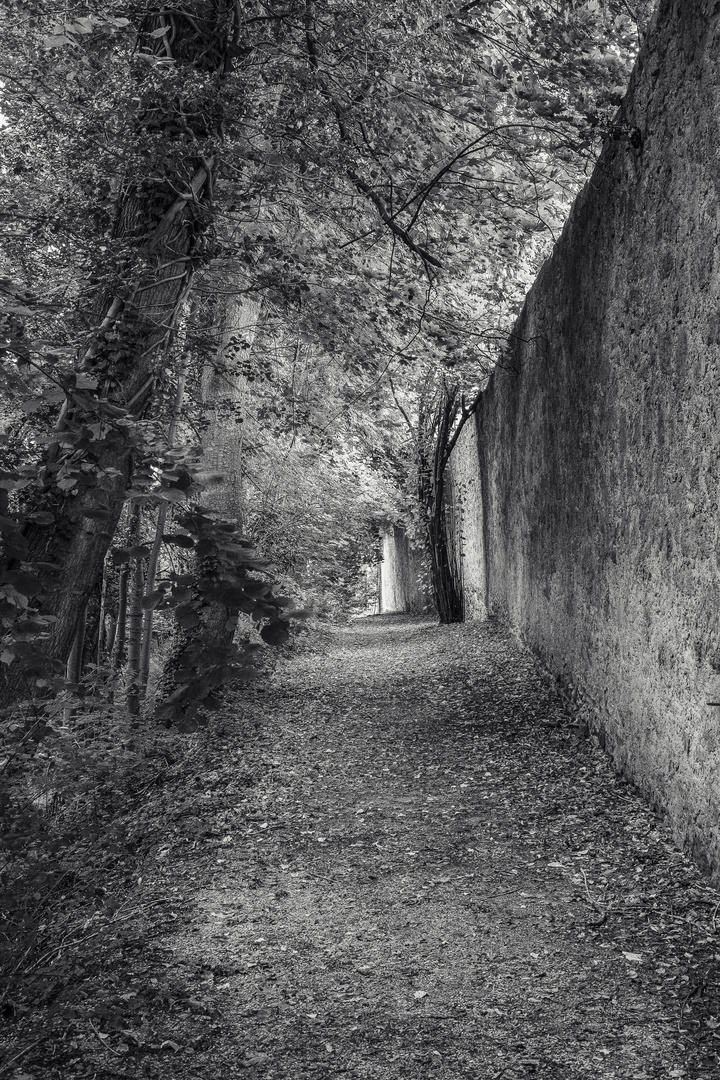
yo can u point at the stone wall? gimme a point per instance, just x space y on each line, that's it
465 515
403 584
594 465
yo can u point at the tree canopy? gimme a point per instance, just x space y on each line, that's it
373 184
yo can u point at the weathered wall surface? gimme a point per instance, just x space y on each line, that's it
402 584
466 523
599 440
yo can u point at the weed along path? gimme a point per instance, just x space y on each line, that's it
396 859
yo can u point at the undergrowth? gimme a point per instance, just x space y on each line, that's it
88 794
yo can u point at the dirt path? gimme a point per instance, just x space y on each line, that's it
401 861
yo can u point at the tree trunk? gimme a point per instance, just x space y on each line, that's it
438 434
120 633
74 670
447 591
134 637
85 524
134 622
161 227
74 667
101 635
148 617
110 644
148 614
224 387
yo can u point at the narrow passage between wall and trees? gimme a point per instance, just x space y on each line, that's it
399 859
311 312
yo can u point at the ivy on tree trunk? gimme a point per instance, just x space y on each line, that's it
160 228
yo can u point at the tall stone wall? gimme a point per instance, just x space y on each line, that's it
596 451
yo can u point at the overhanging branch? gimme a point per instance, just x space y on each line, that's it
389 220
386 216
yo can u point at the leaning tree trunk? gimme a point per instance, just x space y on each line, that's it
161 227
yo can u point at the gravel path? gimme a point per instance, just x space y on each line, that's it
436 877
397 859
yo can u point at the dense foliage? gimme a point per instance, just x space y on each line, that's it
370 186
257 258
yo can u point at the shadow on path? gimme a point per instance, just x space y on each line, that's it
394 860
432 876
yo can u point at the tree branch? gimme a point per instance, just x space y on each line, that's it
362 186
405 416
466 411
389 219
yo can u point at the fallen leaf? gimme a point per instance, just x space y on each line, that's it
252 1058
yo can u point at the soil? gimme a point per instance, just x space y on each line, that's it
397 858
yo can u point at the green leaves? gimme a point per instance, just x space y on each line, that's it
276 632
22 583
182 540
187 615
73 32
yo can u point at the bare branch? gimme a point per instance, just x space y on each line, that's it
389 219
400 408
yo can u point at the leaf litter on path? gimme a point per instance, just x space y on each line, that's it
402 862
